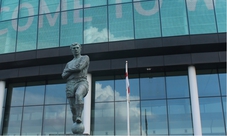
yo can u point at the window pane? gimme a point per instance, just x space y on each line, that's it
68 121
12 121
28 8
147 21
9 9
220 9
120 88
34 95
32 120
102 119
134 114
179 113
47 6
54 119
71 4
91 3
104 89
15 96
55 94
177 85
120 22
8 36
201 17
222 79
174 18
154 117
95 26
71 27
120 118
152 86
224 108
134 87
27 29
118 1
48 31
211 116
208 84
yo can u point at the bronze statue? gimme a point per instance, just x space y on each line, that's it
75 72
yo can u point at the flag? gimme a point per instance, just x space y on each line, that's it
127 93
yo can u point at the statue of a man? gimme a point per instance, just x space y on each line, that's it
75 73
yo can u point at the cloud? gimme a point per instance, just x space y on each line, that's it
93 35
103 94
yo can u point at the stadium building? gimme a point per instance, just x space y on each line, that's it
176 53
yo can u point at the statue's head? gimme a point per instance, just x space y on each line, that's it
76 49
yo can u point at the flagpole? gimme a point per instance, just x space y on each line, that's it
128 100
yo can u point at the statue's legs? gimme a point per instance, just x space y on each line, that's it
73 108
79 95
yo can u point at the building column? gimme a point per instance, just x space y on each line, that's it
87 107
194 101
2 99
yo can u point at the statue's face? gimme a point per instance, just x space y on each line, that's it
76 49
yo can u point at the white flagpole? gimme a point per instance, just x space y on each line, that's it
128 99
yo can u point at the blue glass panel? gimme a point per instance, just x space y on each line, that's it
34 95
27 29
152 86
134 87
120 22
54 119
8 36
55 94
224 109
17 95
211 116
32 120
95 25
28 8
48 6
12 121
208 84
220 11
179 113
103 118
222 79
120 118
104 89
118 1
92 3
154 117
147 21
201 16
48 31
177 86
71 27
71 4
174 18
120 88
9 9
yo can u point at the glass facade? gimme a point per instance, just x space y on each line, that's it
159 105
58 23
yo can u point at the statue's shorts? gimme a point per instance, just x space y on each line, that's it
72 85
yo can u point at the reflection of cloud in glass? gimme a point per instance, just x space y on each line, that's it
106 93
93 35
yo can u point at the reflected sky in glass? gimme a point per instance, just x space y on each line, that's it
212 116
34 95
55 94
54 119
12 121
208 84
154 117
32 120
179 115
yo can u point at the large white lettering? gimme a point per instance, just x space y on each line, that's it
45 9
150 12
191 4
5 30
30 19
